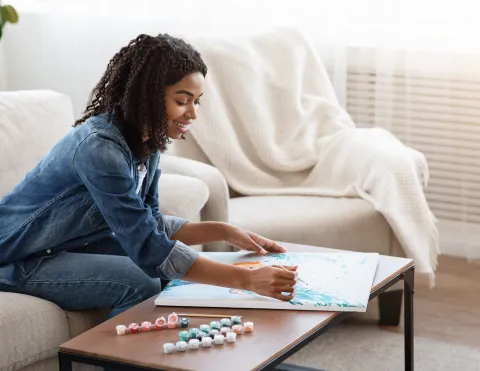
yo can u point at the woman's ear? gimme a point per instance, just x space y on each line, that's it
145 133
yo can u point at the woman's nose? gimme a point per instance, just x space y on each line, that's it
192 113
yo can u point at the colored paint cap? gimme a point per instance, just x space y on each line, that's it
231 337
193 344
184 335
248 326
226 322
236 320
168 348
184 322
193 332
181 346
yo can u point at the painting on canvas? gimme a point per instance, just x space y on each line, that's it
332 281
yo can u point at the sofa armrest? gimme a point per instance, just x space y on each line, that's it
216 208
182 196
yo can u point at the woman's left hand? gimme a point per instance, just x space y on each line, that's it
245 240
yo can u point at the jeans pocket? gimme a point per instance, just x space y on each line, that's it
30 265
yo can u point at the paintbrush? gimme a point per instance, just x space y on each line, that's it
206 315
298 278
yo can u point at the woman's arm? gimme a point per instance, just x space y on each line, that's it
205 232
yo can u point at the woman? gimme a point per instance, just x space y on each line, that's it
83 229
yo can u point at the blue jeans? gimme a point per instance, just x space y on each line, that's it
92 276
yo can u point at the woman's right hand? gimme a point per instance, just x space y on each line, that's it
272 281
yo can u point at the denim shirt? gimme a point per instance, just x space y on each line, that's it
83 190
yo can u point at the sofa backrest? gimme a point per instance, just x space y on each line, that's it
31 122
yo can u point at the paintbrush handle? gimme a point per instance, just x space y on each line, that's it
205 315
286 270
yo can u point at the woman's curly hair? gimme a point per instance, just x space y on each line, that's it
133 88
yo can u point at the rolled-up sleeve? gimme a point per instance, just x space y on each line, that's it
103 166
181 258
178 262
173 224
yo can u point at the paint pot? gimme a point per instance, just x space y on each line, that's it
146 325
224 330
184 335
231 337
248 326
181 346
236 320
193 344
201 334
193 333
133 327
215 325
205 328
172 318
121 329
168 348
184 322
212 333
206 341
159 323
238 329
226 322
219 339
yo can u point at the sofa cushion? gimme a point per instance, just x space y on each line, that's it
31 329
81 321
342 223
182 196
31 122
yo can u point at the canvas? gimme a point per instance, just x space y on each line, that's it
331 282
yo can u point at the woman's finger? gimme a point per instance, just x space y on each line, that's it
281 289
274 247
256 247
285 282
290 273
283 297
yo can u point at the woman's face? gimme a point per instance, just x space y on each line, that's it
181 102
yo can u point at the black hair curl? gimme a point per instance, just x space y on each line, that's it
133 88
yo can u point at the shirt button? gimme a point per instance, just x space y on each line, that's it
49 251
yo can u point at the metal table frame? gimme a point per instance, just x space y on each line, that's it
66 359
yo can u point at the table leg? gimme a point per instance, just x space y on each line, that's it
64 362
408 318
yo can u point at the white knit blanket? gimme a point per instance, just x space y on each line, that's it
271 123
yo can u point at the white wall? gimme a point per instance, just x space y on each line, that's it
65 45
69 53
3 68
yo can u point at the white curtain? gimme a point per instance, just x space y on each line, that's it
411 66
430 100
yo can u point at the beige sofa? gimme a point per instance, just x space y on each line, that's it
31 329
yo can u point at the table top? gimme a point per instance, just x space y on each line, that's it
275 331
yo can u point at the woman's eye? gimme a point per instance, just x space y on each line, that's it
198 103
181 103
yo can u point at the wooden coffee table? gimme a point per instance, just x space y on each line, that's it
278 333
